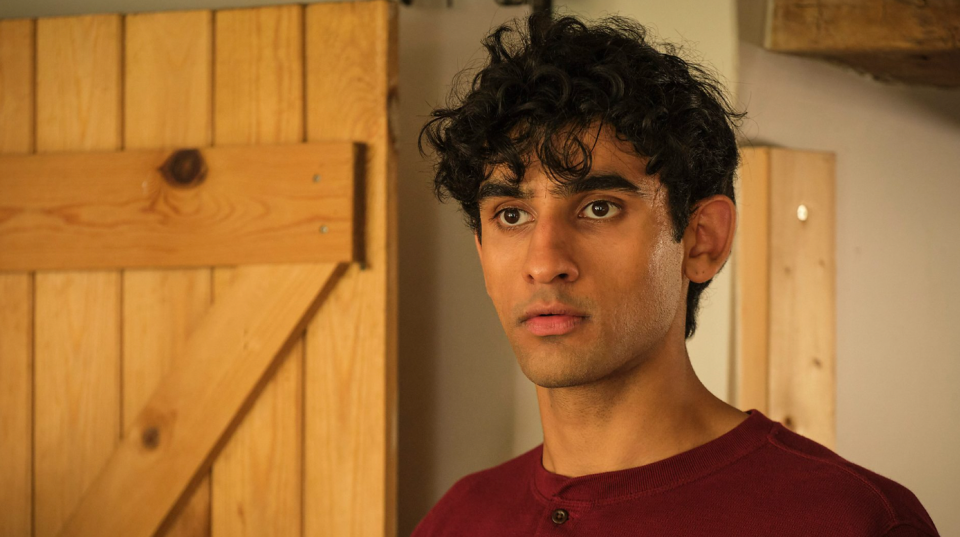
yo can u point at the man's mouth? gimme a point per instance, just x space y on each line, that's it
552 324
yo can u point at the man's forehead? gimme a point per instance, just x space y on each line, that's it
614 165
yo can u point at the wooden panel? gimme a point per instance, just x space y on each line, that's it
168 68
77 314
259 82
16 294
803 293
752 279
909 41
257 479
161 309
225 361
258 204
78 83
167 103
16 406
16 86
350 363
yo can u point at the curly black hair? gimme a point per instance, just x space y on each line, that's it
538 93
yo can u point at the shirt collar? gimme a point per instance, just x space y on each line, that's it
667 473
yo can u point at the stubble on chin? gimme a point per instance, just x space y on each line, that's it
552 362
560 366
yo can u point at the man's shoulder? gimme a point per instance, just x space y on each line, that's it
512 475
497 489
820 476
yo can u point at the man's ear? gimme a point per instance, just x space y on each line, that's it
709 238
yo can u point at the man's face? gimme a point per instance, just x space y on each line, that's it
605 252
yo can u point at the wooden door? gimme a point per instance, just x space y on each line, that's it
242 386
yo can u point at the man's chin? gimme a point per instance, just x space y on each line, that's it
551 374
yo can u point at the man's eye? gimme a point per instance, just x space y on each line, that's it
511 216
601 209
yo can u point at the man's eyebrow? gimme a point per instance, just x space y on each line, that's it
601 181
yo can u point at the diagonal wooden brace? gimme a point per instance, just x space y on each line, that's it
189 416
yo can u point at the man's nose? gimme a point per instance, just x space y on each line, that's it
550 252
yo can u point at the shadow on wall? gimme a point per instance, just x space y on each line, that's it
936 104
456 368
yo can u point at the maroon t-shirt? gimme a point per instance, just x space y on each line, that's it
758 479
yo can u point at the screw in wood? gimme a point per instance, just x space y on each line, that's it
324 229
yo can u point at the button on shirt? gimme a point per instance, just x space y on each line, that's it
559 516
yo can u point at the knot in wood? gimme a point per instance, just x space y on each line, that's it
151 437
185 167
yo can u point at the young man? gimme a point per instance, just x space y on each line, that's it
597 175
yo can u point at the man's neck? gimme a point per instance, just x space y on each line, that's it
655 411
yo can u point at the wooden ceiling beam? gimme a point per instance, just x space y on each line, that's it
893 40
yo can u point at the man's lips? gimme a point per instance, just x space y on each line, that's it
551 308
552 325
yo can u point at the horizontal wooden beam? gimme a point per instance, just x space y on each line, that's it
226 360
913 42
160 208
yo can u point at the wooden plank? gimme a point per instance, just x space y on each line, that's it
259 76
77 388
161 308
803 293
350 365
16 290
167 103
913 42
16 86
257 204
257 478
167 89
752 279
78 83
16 403
224 363
77 314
